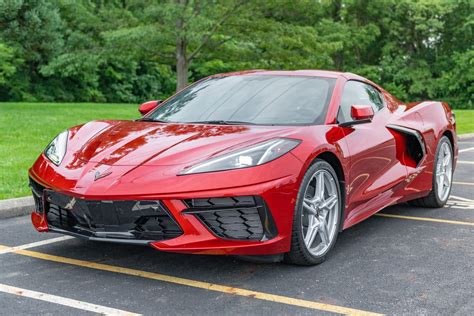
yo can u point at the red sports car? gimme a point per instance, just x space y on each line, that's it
253 163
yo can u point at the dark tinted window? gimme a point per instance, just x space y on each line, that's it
251 98
358 93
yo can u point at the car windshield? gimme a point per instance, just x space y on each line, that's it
250 99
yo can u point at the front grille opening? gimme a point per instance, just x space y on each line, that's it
122 219
38 204
238 217
156 227
37 190
61 218
234 224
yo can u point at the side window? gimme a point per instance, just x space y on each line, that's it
358 93
374 97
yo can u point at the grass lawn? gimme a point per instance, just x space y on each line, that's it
465 121
26 129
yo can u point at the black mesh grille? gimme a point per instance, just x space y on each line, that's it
37 190
126 220
234 224
240 217
222 202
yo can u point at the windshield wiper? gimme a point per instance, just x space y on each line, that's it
149 119
222 122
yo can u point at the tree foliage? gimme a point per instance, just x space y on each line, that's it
135 50
7 65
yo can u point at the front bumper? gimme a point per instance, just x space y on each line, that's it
126 221
236 223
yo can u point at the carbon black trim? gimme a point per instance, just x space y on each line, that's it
235 218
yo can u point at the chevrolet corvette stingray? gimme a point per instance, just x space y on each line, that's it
271 164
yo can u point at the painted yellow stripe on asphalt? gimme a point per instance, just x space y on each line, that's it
426 219
463 183
198 284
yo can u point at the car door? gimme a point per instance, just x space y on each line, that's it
374 167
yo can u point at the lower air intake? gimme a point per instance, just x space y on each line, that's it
241 218
117 219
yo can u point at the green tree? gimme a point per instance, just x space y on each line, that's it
204 36
176 31
33 29
7 63
133 50
94 71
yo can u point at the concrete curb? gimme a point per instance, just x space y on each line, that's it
16 207
466 136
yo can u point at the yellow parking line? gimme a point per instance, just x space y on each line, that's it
426 219
463 183
197 284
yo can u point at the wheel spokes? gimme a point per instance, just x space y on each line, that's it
318 213
329 203
312 231
441 179
444 171
446 160
319 192
324 232
308 206
446 179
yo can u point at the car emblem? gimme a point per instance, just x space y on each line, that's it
99 175
154 205
71 204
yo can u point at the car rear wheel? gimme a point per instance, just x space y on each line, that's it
442 177
317 215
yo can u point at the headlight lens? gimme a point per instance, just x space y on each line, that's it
248 157
56 150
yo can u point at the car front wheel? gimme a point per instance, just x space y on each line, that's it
317 215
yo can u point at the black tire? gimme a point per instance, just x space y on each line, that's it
432 200
299 253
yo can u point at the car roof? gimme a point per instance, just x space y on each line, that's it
304 72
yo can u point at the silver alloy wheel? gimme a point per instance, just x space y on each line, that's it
320 212
444 171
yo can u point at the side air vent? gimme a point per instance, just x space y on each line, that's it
410 145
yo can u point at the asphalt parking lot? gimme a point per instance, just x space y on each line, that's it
406 260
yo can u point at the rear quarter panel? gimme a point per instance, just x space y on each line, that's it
432 119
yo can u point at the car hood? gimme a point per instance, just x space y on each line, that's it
133 143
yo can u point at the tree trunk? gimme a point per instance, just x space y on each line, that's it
181 65
181 56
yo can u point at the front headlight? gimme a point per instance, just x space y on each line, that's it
56 150
248 157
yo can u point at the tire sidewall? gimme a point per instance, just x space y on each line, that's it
317 165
